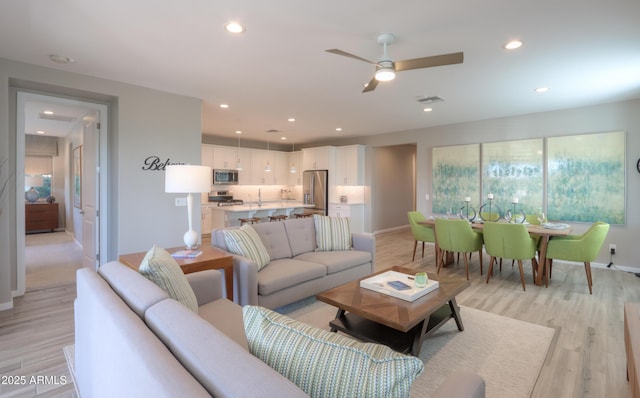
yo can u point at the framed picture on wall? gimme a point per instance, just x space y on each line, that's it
77 176
586 178
456 175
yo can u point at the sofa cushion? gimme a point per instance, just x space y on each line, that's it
222 367
274 238
332 233
337 261
226 316
134 289
244 241
325 364
284 273
301 234
159 267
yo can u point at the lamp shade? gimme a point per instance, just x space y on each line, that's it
33 181
180 178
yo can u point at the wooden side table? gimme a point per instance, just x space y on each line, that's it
211 258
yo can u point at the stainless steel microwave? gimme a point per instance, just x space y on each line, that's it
225 177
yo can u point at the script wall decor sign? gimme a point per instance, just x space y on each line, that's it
154 163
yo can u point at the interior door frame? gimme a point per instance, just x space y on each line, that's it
101 173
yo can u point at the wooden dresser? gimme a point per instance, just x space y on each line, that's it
41 216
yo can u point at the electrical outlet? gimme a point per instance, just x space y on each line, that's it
612 248
181 202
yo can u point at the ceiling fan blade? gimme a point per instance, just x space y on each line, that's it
346 54
373 83
427 62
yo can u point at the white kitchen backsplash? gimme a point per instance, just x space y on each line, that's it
249 193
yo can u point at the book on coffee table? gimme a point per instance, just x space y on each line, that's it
193 253
380 284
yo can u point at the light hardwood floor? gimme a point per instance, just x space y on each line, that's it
586 358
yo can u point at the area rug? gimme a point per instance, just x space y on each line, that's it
51 260
69 356
506 352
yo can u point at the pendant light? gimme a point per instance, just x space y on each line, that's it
267 168
293 164
238 164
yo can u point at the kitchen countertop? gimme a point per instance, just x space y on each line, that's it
253 207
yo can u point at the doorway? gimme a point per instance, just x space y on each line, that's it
79 126
394 186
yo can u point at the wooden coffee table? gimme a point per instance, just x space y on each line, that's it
402 325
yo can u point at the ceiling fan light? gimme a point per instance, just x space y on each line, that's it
385 74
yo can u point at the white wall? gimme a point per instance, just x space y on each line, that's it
622 116
143 122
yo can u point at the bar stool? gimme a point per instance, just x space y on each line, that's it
303 215
279 217
248 220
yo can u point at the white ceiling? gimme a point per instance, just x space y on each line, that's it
586 51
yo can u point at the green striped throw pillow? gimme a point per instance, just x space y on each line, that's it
160 268
332 233
325 364
244 241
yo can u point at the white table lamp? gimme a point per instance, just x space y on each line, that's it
188 179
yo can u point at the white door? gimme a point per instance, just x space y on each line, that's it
90 194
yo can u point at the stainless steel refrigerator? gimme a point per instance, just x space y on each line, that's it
315 191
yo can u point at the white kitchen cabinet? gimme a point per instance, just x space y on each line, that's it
295 160
355 213
259 161
244 175
206 221
280 168
350 165
206 155
319 158
224 157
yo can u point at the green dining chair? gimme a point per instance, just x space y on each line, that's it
421 233
511 241
581 248
456 236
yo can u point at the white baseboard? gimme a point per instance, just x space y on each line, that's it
6 306
613 267
382 231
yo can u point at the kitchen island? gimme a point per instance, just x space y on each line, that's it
228 216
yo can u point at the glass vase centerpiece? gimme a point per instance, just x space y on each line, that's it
467 212
515 215
494 212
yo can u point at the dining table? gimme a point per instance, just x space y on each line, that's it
544 233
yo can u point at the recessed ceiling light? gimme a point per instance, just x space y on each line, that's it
283 138
291 119
238 132
39 132
542 89
427 109
234 27
224 106
338 128
513 44
48 112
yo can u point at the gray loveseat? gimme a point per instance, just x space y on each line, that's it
131 340
296 270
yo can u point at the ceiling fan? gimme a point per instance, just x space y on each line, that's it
386 68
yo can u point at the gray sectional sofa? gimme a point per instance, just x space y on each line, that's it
132 340
296 270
